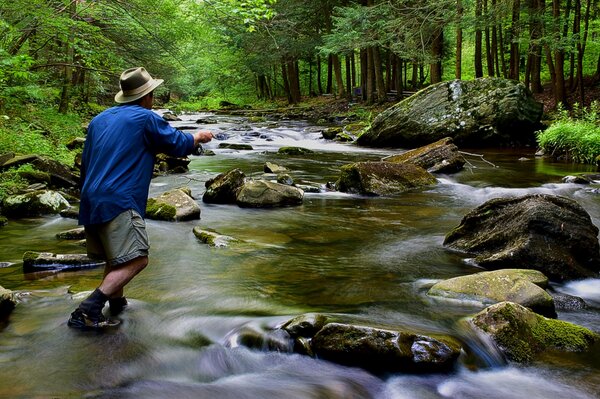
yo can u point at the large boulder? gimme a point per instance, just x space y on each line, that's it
439 157
382 178
35 203
44 261
552 234
223 188
523 335
60 175
7 302
266 194
525 287
174 205
382 350
486 111
169 164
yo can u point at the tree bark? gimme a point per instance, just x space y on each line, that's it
488 47
514 41
337 69
459 40
478 40
437 48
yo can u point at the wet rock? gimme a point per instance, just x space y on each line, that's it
306 325
568 302
212 238
479 112
294 151
256 338
235 146
170 117
552 234
168 164
523 335
7 302
223 188
36 203
382 178
70 213
175 205
265 194
273 168
331 132
35 177
38 261
439 157
286 179
207 121
73 234
578 179
525 287
381 350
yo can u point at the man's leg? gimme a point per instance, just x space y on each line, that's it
124 243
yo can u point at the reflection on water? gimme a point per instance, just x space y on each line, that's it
362 259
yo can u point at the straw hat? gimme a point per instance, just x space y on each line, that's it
135 84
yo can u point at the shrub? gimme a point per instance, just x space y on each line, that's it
575 136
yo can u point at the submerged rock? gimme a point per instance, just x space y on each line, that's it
73 234
7 302
294 151
265 194
523 335
223 188
212 238
38 261
525 287
552 234
439 157
381 350
175 205
35 203
382 178
479 112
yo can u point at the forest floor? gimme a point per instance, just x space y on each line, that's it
591 92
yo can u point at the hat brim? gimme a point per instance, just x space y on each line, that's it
121 98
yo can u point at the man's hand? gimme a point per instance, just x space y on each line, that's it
202 136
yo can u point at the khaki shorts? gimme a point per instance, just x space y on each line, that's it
122 239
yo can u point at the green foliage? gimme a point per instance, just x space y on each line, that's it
575 136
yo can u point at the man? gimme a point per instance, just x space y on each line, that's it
117 166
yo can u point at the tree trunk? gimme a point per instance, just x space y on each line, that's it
364 75
337 69
399 83
581 44
514 41
488 47
286 83
437 48
495 40
370 77
459 40
67 82
328 89
319 83
560 94
378 74
478 40
349 86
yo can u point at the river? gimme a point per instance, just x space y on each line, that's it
368 260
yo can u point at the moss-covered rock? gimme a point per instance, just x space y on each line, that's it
331 132
485 111
294 151
35 203
382 178
523 335
306 325
439 157
271 167
40 261
7 302
236 146
73 234
266 194
381 350
525 287
223 188
212 238
552 234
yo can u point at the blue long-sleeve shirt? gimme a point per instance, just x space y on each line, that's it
118 160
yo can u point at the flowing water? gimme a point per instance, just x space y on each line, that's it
362 259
